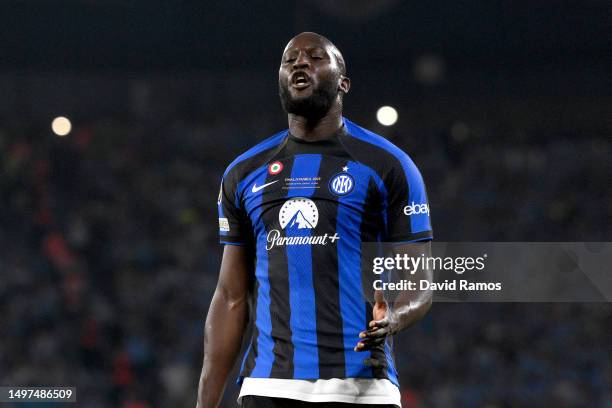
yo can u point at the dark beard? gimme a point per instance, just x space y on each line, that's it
315 106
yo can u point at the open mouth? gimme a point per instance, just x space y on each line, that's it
300 80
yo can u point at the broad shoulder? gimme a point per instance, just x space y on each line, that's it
255 155
378 151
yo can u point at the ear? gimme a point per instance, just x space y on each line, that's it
345 84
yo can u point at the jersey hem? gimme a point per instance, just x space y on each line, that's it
331 397
322 398
419 236
222 242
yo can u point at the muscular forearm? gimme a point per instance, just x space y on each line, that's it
225 324
410 306
407 314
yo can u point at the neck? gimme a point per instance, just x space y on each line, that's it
316 129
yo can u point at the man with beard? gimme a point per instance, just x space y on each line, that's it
293 211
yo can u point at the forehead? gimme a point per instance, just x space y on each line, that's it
306 42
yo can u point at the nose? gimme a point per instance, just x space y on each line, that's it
301 61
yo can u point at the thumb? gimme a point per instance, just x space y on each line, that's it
379 296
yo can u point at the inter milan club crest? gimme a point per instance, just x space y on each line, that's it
275 168
342 183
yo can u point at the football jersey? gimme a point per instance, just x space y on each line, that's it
305 208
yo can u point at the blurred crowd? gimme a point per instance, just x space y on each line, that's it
109 258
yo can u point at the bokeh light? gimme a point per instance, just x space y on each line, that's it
61 126
386 115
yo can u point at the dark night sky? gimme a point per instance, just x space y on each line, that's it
137 35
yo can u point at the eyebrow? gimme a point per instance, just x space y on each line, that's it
309 49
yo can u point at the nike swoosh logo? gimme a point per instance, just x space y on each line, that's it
257 188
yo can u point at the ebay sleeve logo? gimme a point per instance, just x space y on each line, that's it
415 209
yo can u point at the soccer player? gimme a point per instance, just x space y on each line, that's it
293 212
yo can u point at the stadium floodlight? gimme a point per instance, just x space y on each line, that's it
386 115
61 126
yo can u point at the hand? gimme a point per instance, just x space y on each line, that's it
384 324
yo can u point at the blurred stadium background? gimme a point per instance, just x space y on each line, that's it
108 239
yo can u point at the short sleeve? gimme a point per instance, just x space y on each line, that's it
233 222
408 216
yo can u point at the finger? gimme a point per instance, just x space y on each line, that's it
368 345
374 332
373 342
379 323
379 296
370 334
374 326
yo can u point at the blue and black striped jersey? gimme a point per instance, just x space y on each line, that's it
306 207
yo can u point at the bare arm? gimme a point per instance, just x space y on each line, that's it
408 308
225 324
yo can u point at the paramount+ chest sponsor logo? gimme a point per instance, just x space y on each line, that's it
297 217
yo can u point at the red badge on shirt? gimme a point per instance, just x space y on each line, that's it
275 168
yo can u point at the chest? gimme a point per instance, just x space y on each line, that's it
308 191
